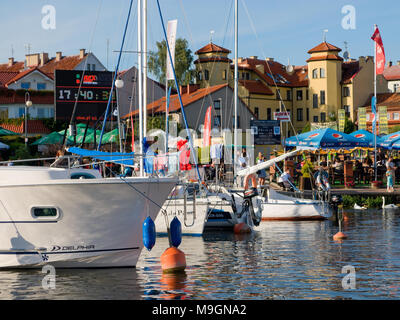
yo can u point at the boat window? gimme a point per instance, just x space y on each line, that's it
82 175
44 212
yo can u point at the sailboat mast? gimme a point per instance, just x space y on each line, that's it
376 102
144 57
235 143
140 89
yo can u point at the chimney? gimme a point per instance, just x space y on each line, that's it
183 89
10 62
44 57
192 88
269 59
32 59
58 55
82 53
361 60
390 64
398 62
253 57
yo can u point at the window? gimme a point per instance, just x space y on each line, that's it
346 110
299 114
206 75
3 113
323 117
308 114
93 67
322 96
41 113
307 95
217 104
88 66
315 73
395 116
269 114
256 112
21 112
25 85
41 86
217 121
315 118
223 74
322 73
346 92
315 101
200 76
238 122
299 94
44 212
289 95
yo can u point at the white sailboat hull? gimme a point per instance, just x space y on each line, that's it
209 212
98 221
281 207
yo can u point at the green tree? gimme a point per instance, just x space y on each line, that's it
349 126
183 62
306 128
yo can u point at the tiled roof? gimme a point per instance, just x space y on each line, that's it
325 57
16 67
392 73
65 63
158 106
256 87
274 70
349 71
22 74
211 47
37 97
213 59
6 76
324 46
34 126
385 99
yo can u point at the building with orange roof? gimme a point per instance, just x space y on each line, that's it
311 93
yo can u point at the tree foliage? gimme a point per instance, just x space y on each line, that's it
183 62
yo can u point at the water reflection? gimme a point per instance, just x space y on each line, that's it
281 260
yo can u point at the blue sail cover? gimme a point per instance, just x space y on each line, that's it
390 141
325 139
366 136
116 157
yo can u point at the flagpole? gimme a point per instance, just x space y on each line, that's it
375 167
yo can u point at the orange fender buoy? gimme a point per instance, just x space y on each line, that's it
173 260
241 228
339 236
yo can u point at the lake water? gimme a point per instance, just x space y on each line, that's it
281 260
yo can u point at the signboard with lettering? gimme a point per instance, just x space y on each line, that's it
282 116
266 132
362 119
89 89
383 120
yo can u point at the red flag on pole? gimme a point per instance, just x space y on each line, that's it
207 128
380 52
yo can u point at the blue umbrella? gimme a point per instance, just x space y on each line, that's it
390 141
366 136
325 139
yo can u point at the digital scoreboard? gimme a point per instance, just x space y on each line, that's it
89 89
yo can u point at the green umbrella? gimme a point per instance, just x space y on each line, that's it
90 137
52 138
111 137
5 132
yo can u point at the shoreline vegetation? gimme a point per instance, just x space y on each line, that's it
369 202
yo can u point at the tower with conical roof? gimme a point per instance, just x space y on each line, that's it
212 65
325 75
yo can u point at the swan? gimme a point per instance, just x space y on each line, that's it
388 206
357 207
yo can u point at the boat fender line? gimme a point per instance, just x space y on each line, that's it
250 177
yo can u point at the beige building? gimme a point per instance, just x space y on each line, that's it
311 93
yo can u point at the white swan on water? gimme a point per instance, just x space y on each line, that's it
388 206
357 207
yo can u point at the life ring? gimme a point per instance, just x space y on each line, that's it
322 182
253 179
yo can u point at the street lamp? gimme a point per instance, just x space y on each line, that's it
28 104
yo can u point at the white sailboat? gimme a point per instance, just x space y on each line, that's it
75 218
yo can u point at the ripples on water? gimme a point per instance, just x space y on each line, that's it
281 260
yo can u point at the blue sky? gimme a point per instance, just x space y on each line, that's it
284 29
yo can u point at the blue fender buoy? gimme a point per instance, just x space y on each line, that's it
176 232
149 233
